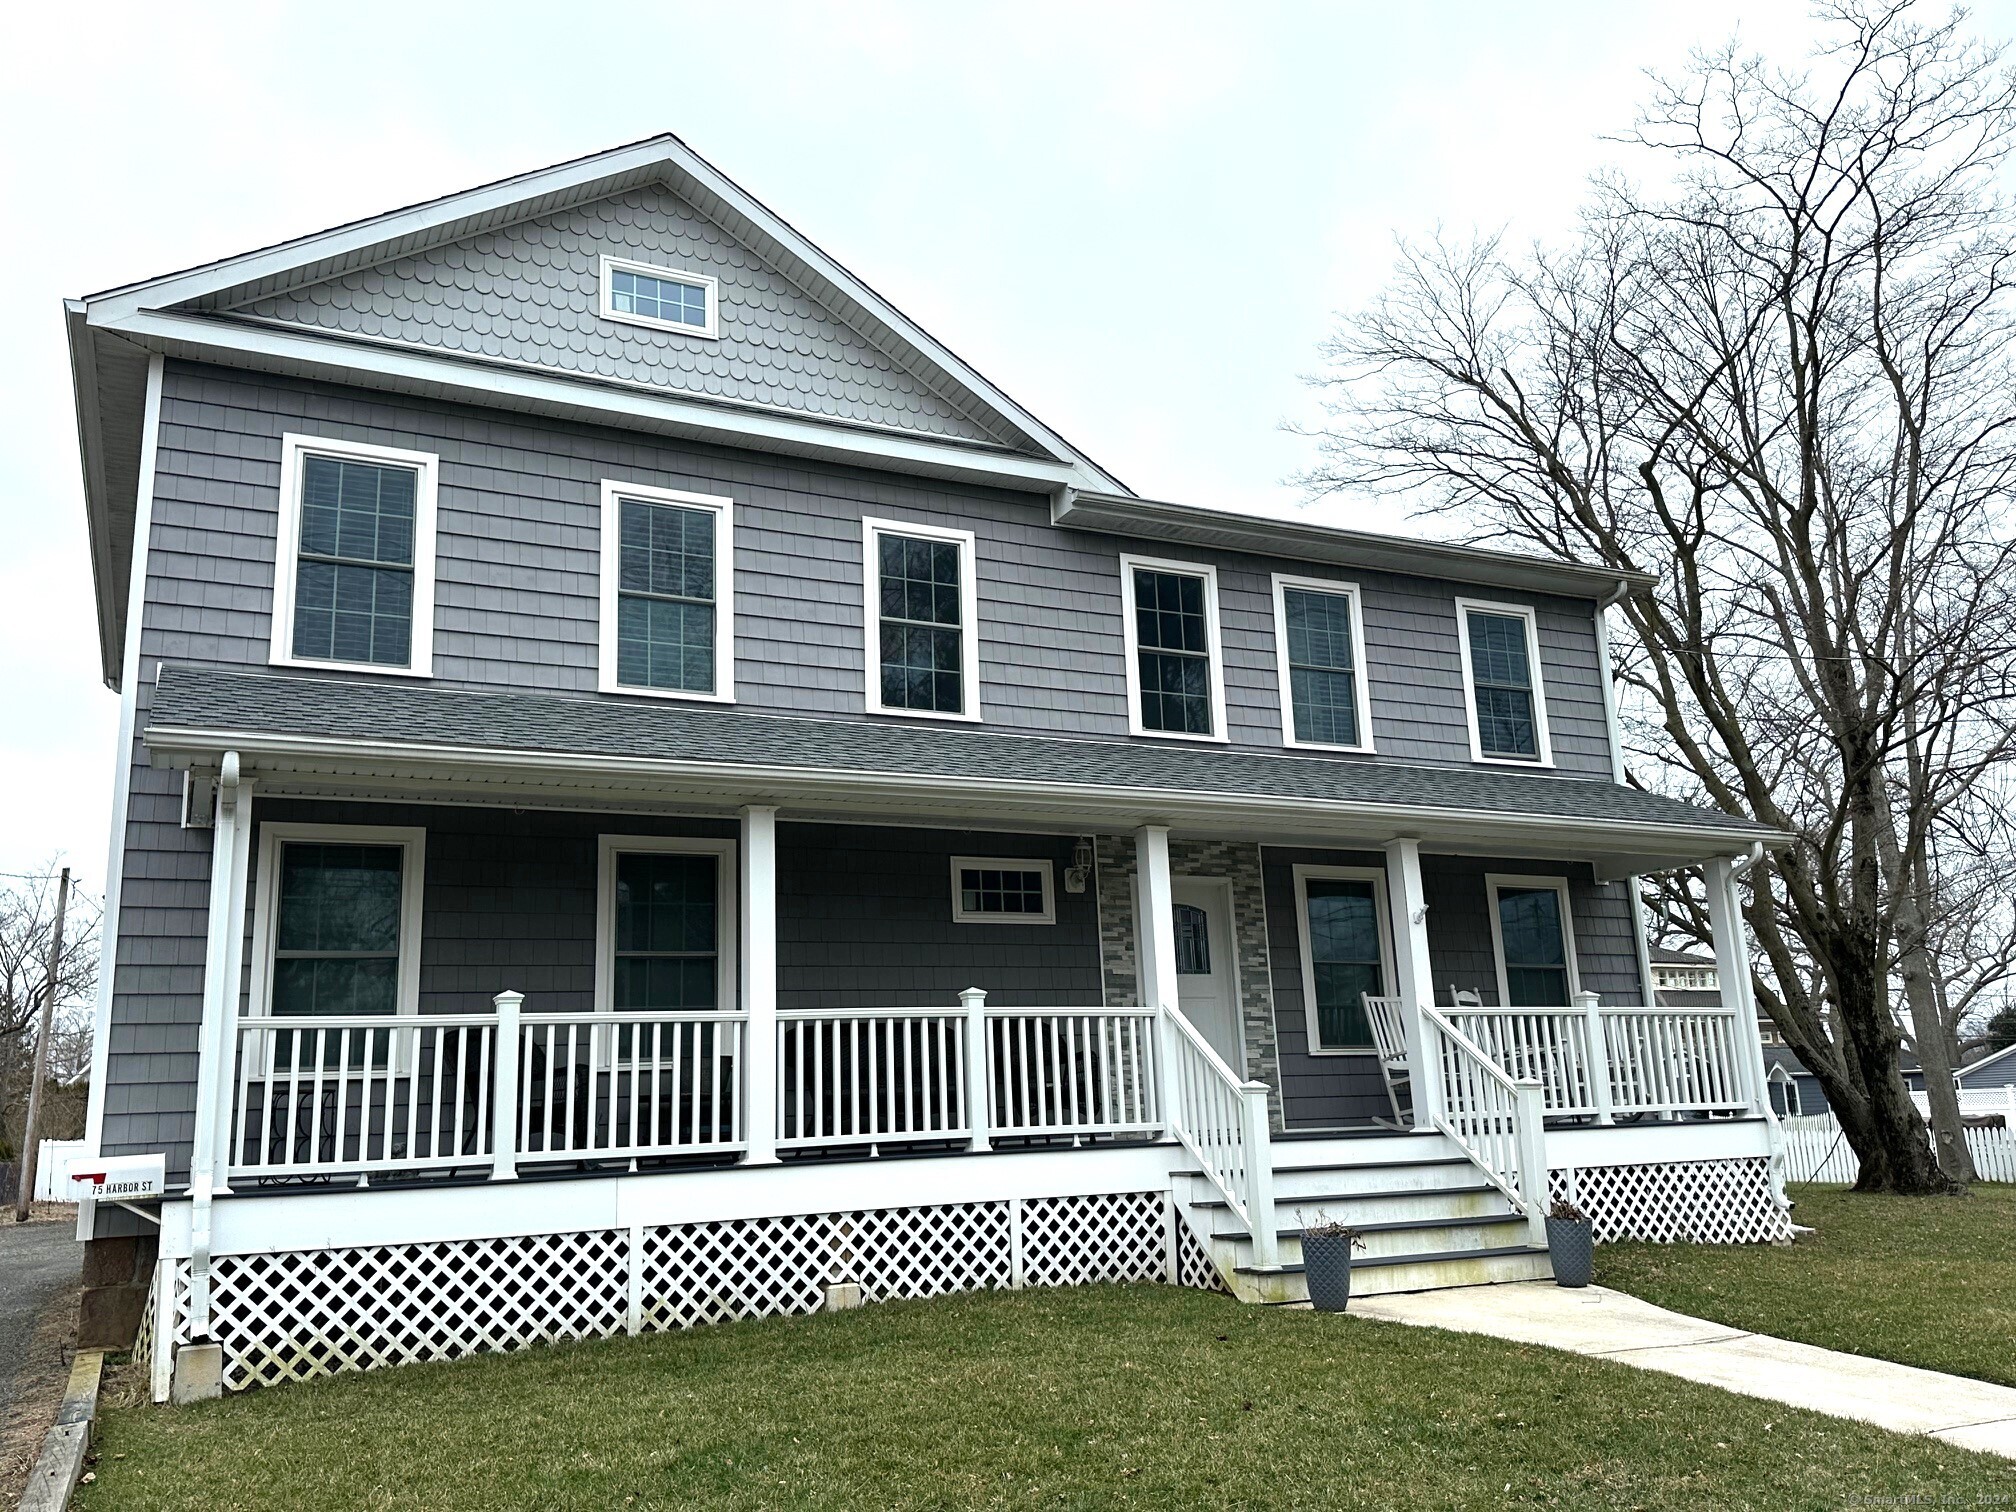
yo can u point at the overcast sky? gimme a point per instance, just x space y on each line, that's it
1138 220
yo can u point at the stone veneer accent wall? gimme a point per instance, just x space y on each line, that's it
1239 864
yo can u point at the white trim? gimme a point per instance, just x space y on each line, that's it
614 491
266 903
1209 573
871 610
1038 864
1464 608
727 933
706 283
1388 966
1361 697
122 779
1493 881
294 449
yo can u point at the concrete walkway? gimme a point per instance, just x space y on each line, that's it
1596 1321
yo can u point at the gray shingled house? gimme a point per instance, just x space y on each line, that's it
651 791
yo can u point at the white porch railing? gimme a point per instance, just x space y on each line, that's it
357 1095
1221 1118
1495 1117
869 1077
855 1077
1601 1061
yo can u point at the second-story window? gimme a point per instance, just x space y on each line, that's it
354 570
668 574
1173 673
1318 643
920 604
1501 683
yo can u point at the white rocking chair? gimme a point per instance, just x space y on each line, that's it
1389 1042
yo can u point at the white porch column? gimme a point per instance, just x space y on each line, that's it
215 1058
1408 901
1155 954
759 981
1732 966
234 967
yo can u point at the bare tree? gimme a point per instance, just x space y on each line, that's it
1784 378
27 914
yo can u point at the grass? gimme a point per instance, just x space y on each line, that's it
1094 1397
1925 1281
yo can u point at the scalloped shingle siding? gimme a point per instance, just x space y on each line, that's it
528 294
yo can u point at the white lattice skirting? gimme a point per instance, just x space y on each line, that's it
1688 1202
296 1314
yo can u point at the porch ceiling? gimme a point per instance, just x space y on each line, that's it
358 737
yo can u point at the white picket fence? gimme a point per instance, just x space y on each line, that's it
1816 1150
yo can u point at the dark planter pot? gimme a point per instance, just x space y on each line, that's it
1572 1249
1326 1265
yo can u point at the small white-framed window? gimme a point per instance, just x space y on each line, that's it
668 593
1319 643
353 570
1503 691
666 299
1175 674
665 931
920 608
1002 890
336 920
1347 954
1532 941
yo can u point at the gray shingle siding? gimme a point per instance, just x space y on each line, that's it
517 571
531 294
1321 1091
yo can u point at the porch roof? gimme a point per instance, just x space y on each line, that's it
296 724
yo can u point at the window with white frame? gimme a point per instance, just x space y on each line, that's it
1501 683
353 577
1346 954
336 928
1534 941
667 299
920 609
1001 890
668 593
665 924
1318 640
1174 676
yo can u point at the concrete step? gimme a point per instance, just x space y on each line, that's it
1405 1238
1293 1183
1471 1199
1402 1273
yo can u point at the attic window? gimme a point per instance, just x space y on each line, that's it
665 299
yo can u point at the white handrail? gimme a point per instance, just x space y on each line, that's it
1221 1118
1495 1118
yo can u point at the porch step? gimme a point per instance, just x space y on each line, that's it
1433 1196
1394 1226
1403 1273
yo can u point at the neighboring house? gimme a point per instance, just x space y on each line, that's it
1995 1070
628 733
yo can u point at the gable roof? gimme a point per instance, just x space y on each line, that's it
1662 956
1992 1058
220 311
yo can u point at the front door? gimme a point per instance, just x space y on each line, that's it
1206 973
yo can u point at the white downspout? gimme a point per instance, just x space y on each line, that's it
1634 893
220 992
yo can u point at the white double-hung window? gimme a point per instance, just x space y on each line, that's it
1175 678
353 573
668 593
1502 690
920 609
1320 645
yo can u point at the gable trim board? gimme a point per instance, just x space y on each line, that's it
1964 1073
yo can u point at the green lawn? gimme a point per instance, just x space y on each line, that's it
1923 1280
1095 1397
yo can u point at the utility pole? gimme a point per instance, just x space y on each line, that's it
29 1148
